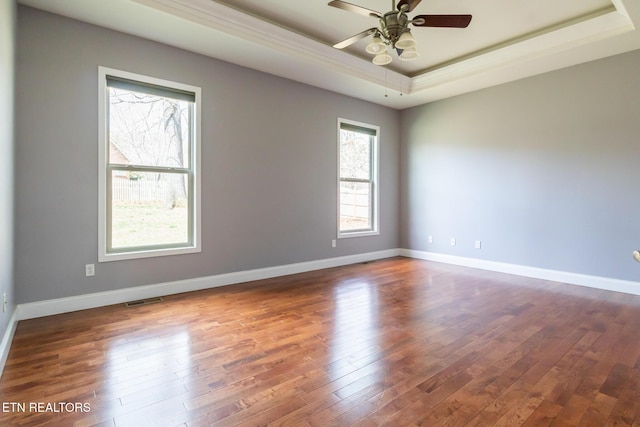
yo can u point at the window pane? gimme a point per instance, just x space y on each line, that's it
355 155
148 130
355 206
149 209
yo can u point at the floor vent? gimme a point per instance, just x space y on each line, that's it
143 302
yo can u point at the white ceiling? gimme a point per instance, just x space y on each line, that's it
506 40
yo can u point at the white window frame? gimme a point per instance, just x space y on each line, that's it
103 157
375 196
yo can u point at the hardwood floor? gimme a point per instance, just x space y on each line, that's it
396 342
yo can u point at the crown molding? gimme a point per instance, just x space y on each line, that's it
223 18
587 29
217 30
610 21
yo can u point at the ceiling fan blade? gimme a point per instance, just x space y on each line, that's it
411 4
354 8
353 39
451 21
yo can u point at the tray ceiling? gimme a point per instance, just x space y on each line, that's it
291 38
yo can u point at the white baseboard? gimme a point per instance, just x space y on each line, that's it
7 338
83 302
605 283
100 299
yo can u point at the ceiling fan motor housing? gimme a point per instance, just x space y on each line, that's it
393 29
392 25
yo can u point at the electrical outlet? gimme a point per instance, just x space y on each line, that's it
90 270
4 302
478 244
453 241
333 243
430 239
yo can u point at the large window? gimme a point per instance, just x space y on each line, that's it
358 172
149 166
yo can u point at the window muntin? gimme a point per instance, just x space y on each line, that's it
149 176
357 170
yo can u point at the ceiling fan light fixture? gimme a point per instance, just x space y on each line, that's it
409 54
406 41
376 46
382 58
393 29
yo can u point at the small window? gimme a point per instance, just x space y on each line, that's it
358 172
149 167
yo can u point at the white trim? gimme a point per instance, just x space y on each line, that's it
103 151
597 282
100 299
352 234
228 20
375 166
544 49
83 302
602 24
7 339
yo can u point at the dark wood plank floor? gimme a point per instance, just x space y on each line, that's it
396 342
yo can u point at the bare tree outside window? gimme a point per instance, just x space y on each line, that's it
149 157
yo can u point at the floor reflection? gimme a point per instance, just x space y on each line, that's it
146 369
355 339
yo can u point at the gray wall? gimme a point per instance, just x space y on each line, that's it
544 171
268 156
7 40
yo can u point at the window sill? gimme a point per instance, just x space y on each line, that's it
348 235
120 256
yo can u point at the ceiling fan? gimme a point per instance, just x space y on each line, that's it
393 29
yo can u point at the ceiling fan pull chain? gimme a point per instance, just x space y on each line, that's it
386 88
